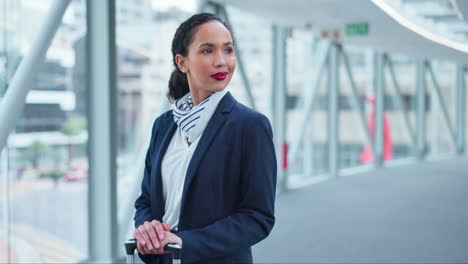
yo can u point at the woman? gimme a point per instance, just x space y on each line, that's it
210 177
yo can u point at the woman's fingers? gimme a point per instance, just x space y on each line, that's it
140 242
159 229
146 241
153 237
141 248
166 226
173 239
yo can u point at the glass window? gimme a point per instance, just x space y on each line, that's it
44 192
253 38
311 160
144 66
354 146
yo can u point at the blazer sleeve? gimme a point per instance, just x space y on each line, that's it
143 202
254 218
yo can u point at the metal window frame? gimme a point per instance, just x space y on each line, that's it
355 103
421 109
436 89
333 108
461 108
279 92
398 101
324 61
311 86
379 109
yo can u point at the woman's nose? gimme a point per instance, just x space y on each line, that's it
219 60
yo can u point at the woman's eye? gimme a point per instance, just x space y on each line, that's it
228 51
206 51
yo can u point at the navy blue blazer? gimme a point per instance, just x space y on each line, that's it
229 189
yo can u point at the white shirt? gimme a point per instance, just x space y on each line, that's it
173 169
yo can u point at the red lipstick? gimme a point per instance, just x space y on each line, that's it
219 76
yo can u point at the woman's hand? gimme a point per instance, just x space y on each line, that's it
149 236
171 238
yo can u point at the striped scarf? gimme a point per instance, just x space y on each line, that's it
191 119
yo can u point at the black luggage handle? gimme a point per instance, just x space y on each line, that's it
174 249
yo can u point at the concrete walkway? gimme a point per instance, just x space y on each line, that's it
411 214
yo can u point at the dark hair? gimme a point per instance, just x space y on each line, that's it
183 37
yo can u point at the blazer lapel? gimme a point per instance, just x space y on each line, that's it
211 130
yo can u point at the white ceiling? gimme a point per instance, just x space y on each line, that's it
385 33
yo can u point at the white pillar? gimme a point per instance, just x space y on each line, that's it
279 99
104 246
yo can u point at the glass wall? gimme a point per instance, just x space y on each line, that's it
311 149
400 84
253 36
144 31
44 166
354 147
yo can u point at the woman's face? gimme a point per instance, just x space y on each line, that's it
210 62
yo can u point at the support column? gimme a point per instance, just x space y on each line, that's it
104 246
371 83
461 90
379 109
333 92
5 185
421 110
435 125
279 100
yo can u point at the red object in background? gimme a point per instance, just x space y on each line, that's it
76 173
366 154
324 34
336 34
285 155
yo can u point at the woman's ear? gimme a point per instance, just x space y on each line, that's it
180 60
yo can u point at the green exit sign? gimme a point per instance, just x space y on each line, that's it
357 29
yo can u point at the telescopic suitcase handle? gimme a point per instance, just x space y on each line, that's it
174 249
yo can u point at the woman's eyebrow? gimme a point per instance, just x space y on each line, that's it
209 44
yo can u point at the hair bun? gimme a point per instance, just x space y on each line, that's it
178 84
